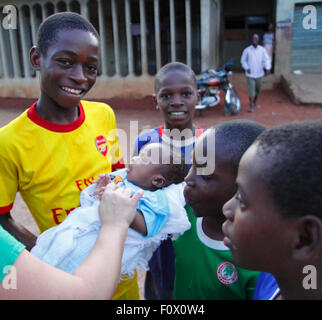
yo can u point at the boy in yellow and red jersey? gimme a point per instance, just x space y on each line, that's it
62 143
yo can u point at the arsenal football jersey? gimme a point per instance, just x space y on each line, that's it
50 164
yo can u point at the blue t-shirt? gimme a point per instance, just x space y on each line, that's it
156 135
10 249
266 287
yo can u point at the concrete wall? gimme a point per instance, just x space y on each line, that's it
105 87
116 78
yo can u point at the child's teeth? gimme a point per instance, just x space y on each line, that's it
72 90
177 113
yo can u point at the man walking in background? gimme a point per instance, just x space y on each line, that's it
256 63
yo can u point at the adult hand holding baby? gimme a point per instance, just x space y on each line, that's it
118 205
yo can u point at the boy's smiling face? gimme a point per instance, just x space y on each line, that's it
69 68
254 230
176 97
207 193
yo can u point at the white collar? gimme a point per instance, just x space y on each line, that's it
211 243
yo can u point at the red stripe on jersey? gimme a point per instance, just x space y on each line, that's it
198 133
6 209
118 165
34 117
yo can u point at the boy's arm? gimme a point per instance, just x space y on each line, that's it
139 224
18 230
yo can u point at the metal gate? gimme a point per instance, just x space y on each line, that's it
306 52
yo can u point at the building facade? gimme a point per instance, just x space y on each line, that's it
139 36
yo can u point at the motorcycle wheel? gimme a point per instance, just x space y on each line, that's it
233 103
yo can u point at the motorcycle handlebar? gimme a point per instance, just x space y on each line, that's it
209 71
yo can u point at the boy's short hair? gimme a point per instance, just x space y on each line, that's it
236 136
294 174
171 67
48 29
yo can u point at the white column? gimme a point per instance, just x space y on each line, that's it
101 25
4 54
208 22
84 9
144 57
33 25
43 11
188 33
129 36
116 38
24 35
14 53
157 34
172 31
68 5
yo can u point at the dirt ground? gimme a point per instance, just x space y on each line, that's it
276 108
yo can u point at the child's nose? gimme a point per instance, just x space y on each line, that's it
78 74
189 179
135 159
228 210
176 100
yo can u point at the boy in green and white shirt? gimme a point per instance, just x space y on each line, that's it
204 268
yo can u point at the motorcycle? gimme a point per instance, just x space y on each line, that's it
210 85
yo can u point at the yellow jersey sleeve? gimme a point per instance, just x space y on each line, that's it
8 174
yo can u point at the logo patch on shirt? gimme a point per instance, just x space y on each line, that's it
117 179
227 273
101 145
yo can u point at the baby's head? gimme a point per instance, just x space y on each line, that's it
157 166
274 222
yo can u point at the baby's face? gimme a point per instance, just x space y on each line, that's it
145 166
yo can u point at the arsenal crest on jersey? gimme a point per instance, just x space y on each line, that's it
101 145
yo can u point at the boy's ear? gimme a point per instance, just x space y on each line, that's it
155 101
198 94
158 181
308 238
34 56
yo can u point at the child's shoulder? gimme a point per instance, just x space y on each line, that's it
96 106
99 113
155 132
14 129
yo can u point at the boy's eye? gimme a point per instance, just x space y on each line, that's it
166 96
186 94
92 68
239 198
206 177
65 62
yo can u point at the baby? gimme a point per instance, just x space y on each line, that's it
159 171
